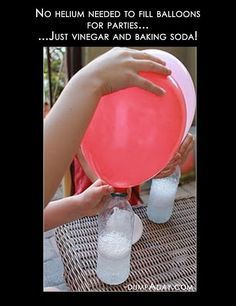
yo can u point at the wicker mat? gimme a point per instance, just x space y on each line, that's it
164 259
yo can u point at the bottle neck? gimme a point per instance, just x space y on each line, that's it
119 194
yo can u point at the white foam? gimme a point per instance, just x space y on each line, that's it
119 220
113 244
162 193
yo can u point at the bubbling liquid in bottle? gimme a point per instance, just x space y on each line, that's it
113 265
116 224
162 197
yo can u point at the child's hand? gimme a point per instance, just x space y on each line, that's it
92 199
186 147
68 209
179 157
119 68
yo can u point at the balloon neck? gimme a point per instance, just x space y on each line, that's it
119 192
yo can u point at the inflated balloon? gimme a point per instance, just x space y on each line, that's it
134 133
184 80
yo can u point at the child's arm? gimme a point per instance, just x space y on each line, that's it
88 203
88 171
67 121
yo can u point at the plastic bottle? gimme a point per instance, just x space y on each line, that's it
162 197
115 232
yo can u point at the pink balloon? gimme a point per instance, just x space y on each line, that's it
184 80
134 133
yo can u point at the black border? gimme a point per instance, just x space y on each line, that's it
204 163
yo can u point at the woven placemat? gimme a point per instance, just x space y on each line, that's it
164 259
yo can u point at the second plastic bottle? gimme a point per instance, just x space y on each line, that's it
162 197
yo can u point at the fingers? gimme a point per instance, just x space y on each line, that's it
105 189
175 160
165 173
98 182
185 155
187 141
173 164
170 168
186 147
102 187
177 156
143 55
147 65
147 85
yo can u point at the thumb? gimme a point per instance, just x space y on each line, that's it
98 182
104 189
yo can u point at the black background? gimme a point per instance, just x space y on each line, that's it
207 96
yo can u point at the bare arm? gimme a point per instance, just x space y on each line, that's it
66 123
64 129
88 203
60 212
88 171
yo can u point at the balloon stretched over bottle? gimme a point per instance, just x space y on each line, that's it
134 133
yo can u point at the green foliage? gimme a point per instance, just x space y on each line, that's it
58 77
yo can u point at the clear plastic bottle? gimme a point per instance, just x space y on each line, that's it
115 232
162 197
